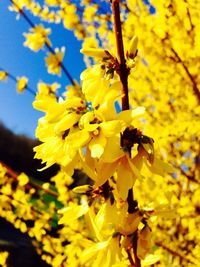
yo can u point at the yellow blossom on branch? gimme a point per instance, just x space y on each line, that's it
21 84
54 60
3 75
37 38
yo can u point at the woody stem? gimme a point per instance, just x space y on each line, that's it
123 71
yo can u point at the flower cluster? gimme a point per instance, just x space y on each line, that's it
83 130
127 201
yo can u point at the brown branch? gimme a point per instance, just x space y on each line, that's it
171 251
12 77
14 175
123 71
132 204
130 258
189 177
194 84
189 17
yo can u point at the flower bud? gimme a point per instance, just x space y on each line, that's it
94 52
21 84
82 189
131 53
130 63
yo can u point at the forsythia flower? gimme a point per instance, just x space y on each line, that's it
3 257
73 212
94 86
23 179
37 38
46 89
125 187
21 84
53 61
3 75
83 131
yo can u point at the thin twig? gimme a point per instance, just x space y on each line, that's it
195 88
171 251
12 77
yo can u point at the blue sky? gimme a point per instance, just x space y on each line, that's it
16 110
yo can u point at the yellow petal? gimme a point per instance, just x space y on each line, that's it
78 139
112 151
82 189
160 167
150 151
150 259
72 213
135 171
110 128
91 252
94 52
66 122
133 47
97 145
128 115
105 171
125 179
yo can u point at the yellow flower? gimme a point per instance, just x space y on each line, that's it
106 251
150 259
66 122
3 75
37 38
127 174
21 84
99 131
94 86
46 89
23 179
53 61
3 258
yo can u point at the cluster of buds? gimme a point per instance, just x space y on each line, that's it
110 63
